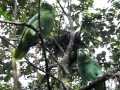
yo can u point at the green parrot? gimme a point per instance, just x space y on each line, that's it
89 69
29 37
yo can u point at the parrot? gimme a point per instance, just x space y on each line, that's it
30 37
89 69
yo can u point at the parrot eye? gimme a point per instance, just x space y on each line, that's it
96 74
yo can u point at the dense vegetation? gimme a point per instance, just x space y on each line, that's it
58 61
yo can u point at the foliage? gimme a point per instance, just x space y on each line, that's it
5 87
100 29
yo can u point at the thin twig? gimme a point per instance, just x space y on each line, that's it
62 8
19 23
43 48
3 38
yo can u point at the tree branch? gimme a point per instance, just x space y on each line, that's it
19 23
106 76
62 8
3 38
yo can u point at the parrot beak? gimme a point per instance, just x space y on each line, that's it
100 75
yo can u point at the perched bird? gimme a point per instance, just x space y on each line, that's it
89 69
29 37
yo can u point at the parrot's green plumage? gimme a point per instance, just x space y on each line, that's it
30 37
88 68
